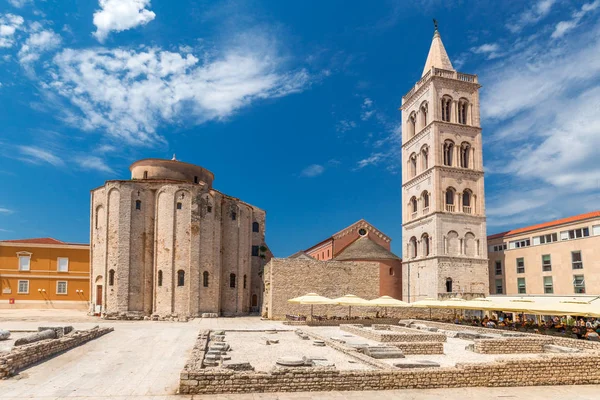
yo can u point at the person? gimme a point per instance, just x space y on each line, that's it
591 335
490 324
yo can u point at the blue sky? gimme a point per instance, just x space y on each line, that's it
292 105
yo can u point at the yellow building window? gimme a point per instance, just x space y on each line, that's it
63 264
61 287
24 260
23 287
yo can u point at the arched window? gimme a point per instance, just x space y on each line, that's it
413 207
179 205
231 280
138 204
424 157
465 149
159 278
205 279
448 152
195 179
180 277
145 174
425 242
449 285
111 277
463 107
254 300
413 247
233 215
450 193
413 165
424 114
470 245
244 281
255 227
425 196
446 108
392 271
452 243
412 125
466 201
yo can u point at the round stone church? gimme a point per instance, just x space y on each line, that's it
166 244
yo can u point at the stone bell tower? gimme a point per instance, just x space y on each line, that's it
443 202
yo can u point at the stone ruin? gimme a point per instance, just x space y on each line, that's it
44 333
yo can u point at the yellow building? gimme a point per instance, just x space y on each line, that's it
560 257
44 273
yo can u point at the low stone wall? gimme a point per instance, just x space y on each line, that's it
559 369
556 340
363 322
22 356
419 347
395 334
517 345
194 363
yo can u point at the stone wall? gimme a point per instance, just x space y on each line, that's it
517 345
289 278
556 340
22 356
419 347
397 335
550 370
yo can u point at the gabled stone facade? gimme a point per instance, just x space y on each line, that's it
443 208
167 243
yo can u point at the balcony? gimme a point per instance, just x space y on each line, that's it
413 215
450 207
426 211
467 209
443 73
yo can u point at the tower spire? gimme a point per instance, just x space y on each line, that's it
437 56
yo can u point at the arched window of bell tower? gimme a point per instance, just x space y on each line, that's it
413 165
424 117
446 108
448 152
424 157
413 207
450 193
413 247
463 111
465 151
412 124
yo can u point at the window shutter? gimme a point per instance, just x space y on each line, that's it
536 240
564 235
596 230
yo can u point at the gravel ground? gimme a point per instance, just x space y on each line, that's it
249 347
454 349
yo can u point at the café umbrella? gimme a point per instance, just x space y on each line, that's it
387 301
312 299
351 300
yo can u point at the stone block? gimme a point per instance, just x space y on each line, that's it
551 348
4 334
417 364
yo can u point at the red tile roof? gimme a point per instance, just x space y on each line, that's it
42 241
549 224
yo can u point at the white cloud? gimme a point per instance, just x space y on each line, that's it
129 93
20 3
120 15
9 24
5 210
531 15
565 26
93 163
345 125
373 159
38 43
491 50
36 155
312 170
542 112
367 109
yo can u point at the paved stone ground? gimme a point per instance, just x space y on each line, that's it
142 360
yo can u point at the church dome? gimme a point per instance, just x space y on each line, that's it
159 169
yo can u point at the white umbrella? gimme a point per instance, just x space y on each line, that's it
312 299
351 300
387 301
